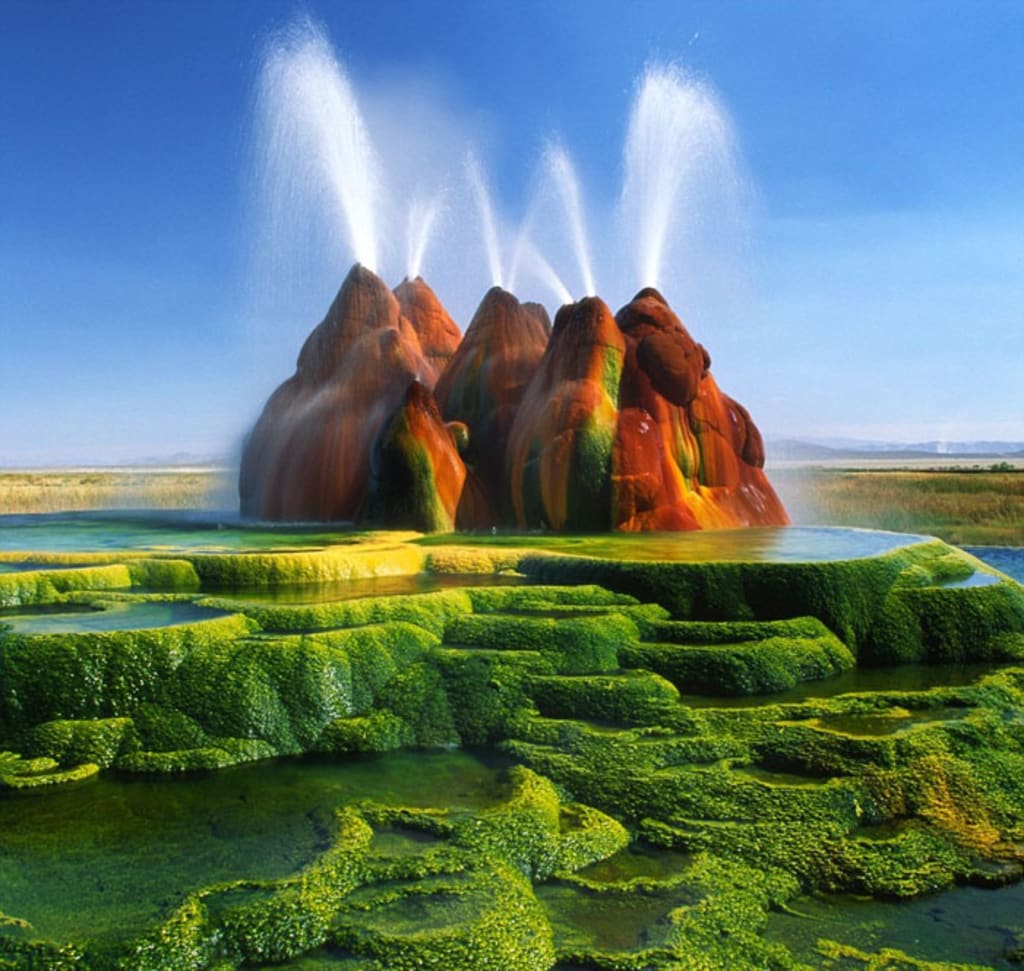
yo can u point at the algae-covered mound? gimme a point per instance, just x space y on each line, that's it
690 747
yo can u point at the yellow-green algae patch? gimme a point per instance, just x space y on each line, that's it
581 680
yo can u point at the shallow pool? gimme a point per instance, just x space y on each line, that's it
307 593
779 544
161 531
117 854
78 618
906 677
1008 559
966 925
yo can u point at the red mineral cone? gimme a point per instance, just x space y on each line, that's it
600 423
308 457
416 475
686 455
438 334
560 448
482 387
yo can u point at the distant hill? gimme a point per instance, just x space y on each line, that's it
808 450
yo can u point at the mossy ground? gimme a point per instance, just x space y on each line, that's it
577 678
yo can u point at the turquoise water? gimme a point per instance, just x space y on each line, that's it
114 855
115 616
1008 559
784 544
160 530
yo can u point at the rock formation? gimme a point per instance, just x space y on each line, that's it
599 423
439 335
686 455
482 387
560 453
308 457
623 427
416 475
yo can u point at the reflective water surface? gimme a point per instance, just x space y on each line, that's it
776 544
966 925
77 618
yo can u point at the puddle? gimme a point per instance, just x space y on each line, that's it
639 860
771 777
965 925
110 858
890 722
80 618
908 677
609 921
974 580
310 593
402 841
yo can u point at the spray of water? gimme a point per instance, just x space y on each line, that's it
315 142
679 139
520 246
420 224
328 196
544 271
488 226
559 167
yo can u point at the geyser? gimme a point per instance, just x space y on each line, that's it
316 149
394 418
560 169
679 146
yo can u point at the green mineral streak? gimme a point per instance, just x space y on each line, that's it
403 489
588 483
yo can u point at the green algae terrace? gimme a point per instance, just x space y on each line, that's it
235 748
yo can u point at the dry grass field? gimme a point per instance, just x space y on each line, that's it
66 490
979 506
983 506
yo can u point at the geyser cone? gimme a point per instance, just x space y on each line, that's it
363 304
667 361
601 422
686 455
308 457
438 334
560 447
483 386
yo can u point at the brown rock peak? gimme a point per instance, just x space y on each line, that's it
438 334
668 360
582 329
364 303
483 386
653 292
538 314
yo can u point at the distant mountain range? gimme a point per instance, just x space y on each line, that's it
842 448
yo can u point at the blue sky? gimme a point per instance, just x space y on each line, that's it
876 290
